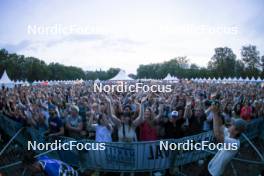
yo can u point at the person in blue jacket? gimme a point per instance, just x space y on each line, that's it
47 166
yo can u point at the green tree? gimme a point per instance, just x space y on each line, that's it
251 58
194 67
223 62
262 66
239 69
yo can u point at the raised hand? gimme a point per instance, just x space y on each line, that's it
215 109
108 98
161 107
144 99
188 102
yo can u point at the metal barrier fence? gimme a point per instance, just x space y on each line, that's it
117 156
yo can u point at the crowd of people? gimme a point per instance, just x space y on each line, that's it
78 112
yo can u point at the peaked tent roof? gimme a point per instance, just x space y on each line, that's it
5 79
168 77
121 76
97 80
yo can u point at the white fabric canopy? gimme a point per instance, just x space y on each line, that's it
6 81
121 76
170 78
97 80
227 80
259 79
253 79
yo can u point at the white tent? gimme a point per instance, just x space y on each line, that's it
247 79
259 79
168 77
17 82
175 79
121 76
26 83
97 80
234 80
171 78
253 79
6 81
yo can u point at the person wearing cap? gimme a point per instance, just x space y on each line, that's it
74 124
173 127
230 136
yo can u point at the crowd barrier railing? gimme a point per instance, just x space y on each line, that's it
125 157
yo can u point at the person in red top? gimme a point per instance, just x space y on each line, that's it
148 130
246 112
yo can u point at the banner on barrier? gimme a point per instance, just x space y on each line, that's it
137 156
127 157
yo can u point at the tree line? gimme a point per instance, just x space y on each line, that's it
20 67
223 63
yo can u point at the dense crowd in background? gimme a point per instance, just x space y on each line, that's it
78 112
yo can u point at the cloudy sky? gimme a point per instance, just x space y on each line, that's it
94 34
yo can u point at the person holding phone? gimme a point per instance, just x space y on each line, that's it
230 135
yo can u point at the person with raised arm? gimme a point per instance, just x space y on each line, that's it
103 128
126 125
148 129
228 137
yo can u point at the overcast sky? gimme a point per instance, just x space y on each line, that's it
94 34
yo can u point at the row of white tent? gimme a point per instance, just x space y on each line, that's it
7 82
122 76
218 80
170 78
57 81
228 80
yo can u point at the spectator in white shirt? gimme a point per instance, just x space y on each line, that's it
216 166
103 128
